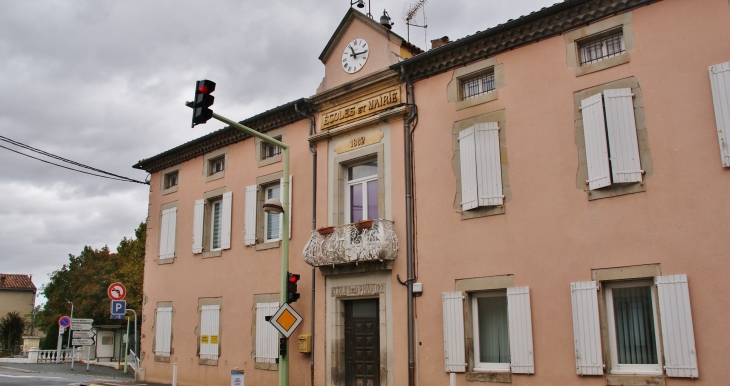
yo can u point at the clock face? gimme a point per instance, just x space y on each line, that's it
355 56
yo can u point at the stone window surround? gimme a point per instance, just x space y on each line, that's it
473 285
159 234
261 298
258 143
165 172
574 38
637 272
262 183
209 197
341 163
206 164
162 358
452 90
500 117
209 302
641 133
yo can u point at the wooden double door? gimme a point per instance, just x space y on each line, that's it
362 343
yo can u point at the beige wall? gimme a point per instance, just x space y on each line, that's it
21 301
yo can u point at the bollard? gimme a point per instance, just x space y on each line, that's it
174 374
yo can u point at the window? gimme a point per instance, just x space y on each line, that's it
170 179
481 167
272 222
269 150
632 330
601 47
260 228
475 85
361 195
491 331
216 165
212 223
215 225
168 228
163 331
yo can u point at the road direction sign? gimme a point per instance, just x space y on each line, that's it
117 291
286 320
64 321
81 327
78 320
83 334
114 317
82 342
118 307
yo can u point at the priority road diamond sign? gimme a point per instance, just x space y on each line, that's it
286 320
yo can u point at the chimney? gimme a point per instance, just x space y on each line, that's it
2 281
436 43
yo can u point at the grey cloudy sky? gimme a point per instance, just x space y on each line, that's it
103 83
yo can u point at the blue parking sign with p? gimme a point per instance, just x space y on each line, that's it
119 307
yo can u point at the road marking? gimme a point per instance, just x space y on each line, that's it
29 376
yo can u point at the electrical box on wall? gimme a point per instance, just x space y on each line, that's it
305 343
418 288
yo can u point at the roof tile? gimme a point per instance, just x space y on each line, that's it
16 282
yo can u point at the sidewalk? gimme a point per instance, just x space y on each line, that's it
65 368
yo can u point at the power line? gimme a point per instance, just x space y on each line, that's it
22 145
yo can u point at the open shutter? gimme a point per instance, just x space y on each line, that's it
281 218
467 156
720 82
226 220
209 331
621 127
680 354
163 332
198 226
164 234
586 328
171 231
520 330
249 228
594 132
266 335
489 167
454 351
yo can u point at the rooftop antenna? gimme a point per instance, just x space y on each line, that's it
411 13
361 4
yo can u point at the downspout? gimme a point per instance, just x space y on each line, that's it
409 223
314 226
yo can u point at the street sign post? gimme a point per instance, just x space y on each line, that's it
117 291
286 320
82 342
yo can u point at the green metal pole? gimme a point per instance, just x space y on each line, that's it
283 360
126 347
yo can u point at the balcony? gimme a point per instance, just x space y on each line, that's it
365 241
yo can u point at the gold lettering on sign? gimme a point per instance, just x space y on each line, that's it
358 290
369 105
358 141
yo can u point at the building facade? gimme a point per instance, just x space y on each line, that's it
17 293
538 203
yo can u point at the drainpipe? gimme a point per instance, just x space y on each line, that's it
314 225
409 223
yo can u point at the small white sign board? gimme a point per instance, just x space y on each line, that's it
81 327
77 321
286 320
84 334
82 342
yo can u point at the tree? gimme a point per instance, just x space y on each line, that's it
12 327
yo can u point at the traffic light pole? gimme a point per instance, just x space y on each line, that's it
283 360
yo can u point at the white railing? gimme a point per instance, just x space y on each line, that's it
352 243
50 356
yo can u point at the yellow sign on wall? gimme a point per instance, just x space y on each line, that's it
204 339
214 339
366 106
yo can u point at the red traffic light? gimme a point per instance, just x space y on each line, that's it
293 277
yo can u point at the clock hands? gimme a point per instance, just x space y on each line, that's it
355 54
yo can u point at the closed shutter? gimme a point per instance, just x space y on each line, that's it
163 332
249 227
621 127
489 166
520 330
680 354
467 157
164 234
281 218
594 132
171 231
198 226
586 328
267 336
720 82
454 351
209 331
226 220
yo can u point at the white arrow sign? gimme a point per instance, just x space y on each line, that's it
77 320
80 327
82 342
83 334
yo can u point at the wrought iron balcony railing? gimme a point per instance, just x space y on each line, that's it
371 240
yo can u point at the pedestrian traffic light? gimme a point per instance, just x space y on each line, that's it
203 100
291 287
282 346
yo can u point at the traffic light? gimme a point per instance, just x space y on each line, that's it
291 287
282 346
203 100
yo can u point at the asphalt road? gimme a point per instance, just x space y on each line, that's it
52 374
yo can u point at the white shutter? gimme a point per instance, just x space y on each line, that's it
586 328
621 127
226 220
680 354
489 167
249 228
467 156
267 336
281 218
520 330
171 231
164 234
720 82
594 132
209 331
454 351
198 226
163 332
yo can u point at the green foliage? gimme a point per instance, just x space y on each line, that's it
85 278
51 339
12 326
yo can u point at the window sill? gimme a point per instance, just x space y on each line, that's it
635 380
270 160
482 211
492 377
165 261
162 358
616 190
484 98
216 176
602 65
268 245
208 362
212 254
170 190
266 366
